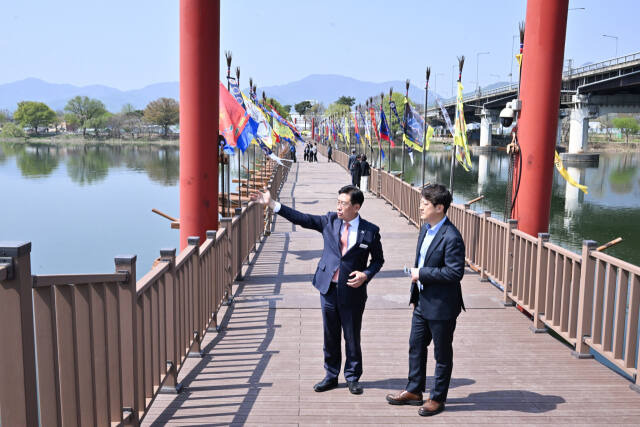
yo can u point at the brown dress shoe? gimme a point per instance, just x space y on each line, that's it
405 398
431 407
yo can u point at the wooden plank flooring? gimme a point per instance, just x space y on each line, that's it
261 368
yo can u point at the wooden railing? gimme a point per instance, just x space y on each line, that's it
105 345
591 300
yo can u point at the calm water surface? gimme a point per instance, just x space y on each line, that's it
609 210
81 206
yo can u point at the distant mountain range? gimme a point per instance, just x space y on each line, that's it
325 88
56 95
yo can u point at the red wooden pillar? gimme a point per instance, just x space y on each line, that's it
199 70
545 29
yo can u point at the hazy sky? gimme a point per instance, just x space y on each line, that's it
133 43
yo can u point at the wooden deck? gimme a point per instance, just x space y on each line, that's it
261 368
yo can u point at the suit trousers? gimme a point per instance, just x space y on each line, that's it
338 317
423 331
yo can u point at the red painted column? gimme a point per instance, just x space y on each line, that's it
545 29
199 70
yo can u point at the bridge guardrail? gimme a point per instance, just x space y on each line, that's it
96 349
591 299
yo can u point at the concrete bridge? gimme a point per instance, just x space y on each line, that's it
610 86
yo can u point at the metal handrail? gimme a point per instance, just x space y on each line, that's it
621 60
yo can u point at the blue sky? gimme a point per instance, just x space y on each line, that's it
134 43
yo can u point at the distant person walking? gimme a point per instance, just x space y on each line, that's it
314 151
356 170
365 172
352 159
329 153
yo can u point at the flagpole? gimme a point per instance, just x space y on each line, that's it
454 148
404 125
424 142
225 166
239 154
252 175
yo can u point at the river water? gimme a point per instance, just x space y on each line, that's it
610 209
81 206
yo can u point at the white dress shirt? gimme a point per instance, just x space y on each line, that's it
353 228
428 238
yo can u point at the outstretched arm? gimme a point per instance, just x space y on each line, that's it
313 222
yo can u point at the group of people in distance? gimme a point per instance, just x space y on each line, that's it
360 170
311 152
353 255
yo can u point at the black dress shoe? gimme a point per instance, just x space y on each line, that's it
354 387
326 385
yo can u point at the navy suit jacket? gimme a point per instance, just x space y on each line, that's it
441 296
356 258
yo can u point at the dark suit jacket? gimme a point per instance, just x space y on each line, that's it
352 158
441 297
356 258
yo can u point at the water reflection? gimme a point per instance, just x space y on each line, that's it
611 209
90 164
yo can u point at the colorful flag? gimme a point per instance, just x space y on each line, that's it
384 129
233 119
367 129
413 135
235 91
373 122
460 136
264 129
345 130
355 127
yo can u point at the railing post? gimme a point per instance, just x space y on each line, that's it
131 373
484 244
170 384
18 390
228 259
512 224
585 303
541 286
213 327
238 213
195 350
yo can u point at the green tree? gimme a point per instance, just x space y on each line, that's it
628 125
10 130
302 107
34 114
346 100
163 112
5 116
336 109
85 109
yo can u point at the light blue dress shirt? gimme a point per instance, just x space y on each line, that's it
428 238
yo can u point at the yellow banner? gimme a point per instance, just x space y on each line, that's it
566 176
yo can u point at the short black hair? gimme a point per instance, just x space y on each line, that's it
353 150
437 194
357 198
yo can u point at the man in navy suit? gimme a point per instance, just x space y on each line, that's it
436 297
341 277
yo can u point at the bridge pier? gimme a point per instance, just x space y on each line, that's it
486 122
579 125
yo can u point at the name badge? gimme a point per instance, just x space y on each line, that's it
363 246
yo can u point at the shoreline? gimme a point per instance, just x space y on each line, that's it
79 142
595 147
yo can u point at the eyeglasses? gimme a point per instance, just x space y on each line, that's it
343 204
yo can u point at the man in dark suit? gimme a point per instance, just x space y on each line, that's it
350 162
436 297
341 277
